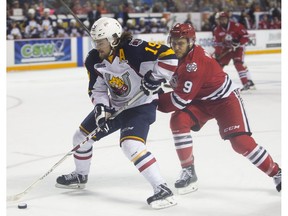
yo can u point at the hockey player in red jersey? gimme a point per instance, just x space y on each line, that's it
203 91
116 67
230 39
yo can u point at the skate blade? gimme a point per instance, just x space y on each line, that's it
247 91
72 186
164 203
190 188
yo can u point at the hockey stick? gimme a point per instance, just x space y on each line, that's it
20 195
224 54
173 22
75 16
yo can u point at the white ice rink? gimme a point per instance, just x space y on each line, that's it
44 108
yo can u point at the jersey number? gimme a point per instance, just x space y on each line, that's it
187 86
154 48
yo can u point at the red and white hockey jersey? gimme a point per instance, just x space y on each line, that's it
223 38
198 77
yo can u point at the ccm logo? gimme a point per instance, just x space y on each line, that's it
231 128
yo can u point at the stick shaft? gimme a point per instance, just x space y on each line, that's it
224 54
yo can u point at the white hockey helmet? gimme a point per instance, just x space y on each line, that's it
108 28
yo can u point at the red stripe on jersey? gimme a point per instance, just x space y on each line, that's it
167 66
82 158
146 165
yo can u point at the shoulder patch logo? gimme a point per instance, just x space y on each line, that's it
135 42
191 67
222 33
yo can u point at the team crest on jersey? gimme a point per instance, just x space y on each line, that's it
228 37
136 42
222 33
191 67
119 85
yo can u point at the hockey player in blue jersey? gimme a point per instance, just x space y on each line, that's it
116 67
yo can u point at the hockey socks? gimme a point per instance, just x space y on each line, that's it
184 147
146 163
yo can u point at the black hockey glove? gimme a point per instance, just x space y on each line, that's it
102 114
150 86
235 44
216 57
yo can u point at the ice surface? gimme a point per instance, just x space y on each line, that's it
44 108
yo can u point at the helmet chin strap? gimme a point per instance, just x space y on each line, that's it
189 47
191 44
111 51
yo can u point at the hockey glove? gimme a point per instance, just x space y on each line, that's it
102 114
216 57
235 44
149 85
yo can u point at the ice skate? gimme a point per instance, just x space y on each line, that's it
163 198
245 88
251 85
188 181
248 86
277 180
72 181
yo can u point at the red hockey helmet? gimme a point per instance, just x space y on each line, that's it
184 30
223 14
223 19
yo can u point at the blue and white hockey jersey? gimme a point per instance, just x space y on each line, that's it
116 80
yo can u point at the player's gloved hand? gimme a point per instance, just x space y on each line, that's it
216 56
149 85
102 115
235 44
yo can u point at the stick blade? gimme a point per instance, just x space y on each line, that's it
14 197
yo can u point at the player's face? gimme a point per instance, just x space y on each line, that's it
103 47
223 21
180 46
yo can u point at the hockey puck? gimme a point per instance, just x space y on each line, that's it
22 205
